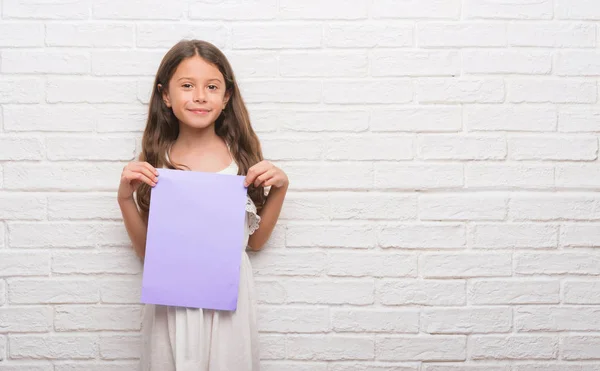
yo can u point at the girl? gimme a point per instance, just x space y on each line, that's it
197 121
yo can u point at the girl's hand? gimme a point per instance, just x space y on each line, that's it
132 177
266 174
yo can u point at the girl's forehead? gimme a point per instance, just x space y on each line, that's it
197 68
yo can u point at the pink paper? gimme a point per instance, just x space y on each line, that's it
194 241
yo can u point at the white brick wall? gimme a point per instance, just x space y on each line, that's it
443 155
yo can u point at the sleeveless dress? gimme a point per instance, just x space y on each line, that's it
190 339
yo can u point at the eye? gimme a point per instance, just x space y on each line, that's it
213 87
187 85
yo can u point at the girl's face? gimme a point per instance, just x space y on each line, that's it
196 93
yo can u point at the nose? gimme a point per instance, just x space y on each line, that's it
199 95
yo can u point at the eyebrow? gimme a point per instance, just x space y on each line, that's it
191 78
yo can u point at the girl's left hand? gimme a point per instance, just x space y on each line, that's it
266 174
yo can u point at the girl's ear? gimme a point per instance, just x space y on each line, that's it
165 95
226 98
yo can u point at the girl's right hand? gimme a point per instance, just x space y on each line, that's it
132 177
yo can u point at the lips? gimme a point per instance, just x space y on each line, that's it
199 111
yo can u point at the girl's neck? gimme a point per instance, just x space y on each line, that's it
196 140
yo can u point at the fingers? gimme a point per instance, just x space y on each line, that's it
255 171
265 176
140 176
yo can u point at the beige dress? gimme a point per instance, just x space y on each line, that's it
189 339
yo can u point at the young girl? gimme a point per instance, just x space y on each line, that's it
197 121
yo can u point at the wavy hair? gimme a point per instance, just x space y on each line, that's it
233 125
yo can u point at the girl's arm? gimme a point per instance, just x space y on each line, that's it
269 216
136 226
267 175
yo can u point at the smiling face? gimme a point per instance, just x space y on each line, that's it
196 93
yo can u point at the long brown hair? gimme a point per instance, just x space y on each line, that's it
233 125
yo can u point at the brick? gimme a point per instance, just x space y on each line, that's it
249 64
552 91
97 318
513 235
555 318
306 206
466 320
480 206
370 205
513 291
347 120
461 147
25 319
557 366
508 9
323 64
582 176
511 118
276 36
422 236
463 90
83 206
293 366
48 118
55 346
421 176
103 366
121 290
553 263
165 35
21 90
17 148
370 320
369 147
90 148
120 346
315 9
17 263
352 292
52 291
327 348
513 347
577 63
22 34
330 235
233 10
415 63
465 367
96 35
552 34
506 62
371 265
276 148
3 348
391 91
417 119
460 35
272 346
435 9
27 366
466 265
575 148
149 9
90 90
580 347
581 292
421 348
509 176
95 263
2 296
331 176
366 35
577 9
23 9
584 119
66 234
63 177
289 263
282 91
293 319
22 206
125 63
580 235
120 118
422 292
42 62
554 207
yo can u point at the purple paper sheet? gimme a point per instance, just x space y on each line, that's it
194 241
